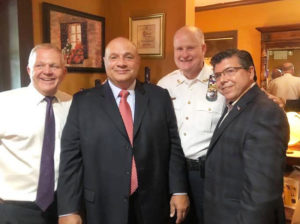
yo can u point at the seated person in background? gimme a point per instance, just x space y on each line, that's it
287 105
286 86
276 73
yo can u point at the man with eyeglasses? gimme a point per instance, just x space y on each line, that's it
197 114
245 160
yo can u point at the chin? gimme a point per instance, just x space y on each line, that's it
185 65
49 91
227 97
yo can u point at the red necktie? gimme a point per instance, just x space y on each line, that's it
127 119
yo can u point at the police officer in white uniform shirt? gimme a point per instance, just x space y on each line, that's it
198 107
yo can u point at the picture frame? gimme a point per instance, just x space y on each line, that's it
219 41
80 36
148 34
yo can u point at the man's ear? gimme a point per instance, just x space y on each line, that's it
65 70
252 72
104 60
28 70
204 48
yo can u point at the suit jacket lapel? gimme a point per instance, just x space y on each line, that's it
238 108
112 110
141 101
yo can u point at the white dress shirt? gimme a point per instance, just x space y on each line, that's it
196 116
22 119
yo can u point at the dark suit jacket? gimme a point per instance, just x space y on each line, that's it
245 164
96 156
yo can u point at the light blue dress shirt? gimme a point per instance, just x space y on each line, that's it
130 99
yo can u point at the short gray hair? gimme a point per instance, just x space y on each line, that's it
48 46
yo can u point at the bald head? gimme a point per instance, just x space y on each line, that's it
120 41
189 51
121 62
288 67
191 30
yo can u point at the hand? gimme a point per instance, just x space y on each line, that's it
278 100
70 219
179 204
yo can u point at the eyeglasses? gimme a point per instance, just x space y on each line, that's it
230 71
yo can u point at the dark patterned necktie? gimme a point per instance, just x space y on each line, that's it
45 192
226 111
126 114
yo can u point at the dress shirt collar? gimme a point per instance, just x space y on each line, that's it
116 90
202 77
287 74
37 97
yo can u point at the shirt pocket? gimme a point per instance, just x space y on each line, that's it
207 115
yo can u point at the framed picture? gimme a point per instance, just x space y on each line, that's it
219 41
79 35
148 34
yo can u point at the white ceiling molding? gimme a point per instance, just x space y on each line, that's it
201 5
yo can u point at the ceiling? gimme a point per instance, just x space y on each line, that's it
201 3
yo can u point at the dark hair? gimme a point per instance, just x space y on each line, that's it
245 58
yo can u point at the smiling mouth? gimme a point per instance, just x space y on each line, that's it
224 89
185 60
47 79
122 71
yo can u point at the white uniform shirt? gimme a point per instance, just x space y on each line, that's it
22 119
196 116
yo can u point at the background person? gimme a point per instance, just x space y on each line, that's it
276 73
286 86
25 140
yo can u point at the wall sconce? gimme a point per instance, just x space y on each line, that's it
290 53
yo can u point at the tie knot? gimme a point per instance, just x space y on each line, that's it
49 99
229 106
123 93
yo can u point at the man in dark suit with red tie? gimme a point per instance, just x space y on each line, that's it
121 153
245 162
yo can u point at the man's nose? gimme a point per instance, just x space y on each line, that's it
47 69
184 53
121 62
223 78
